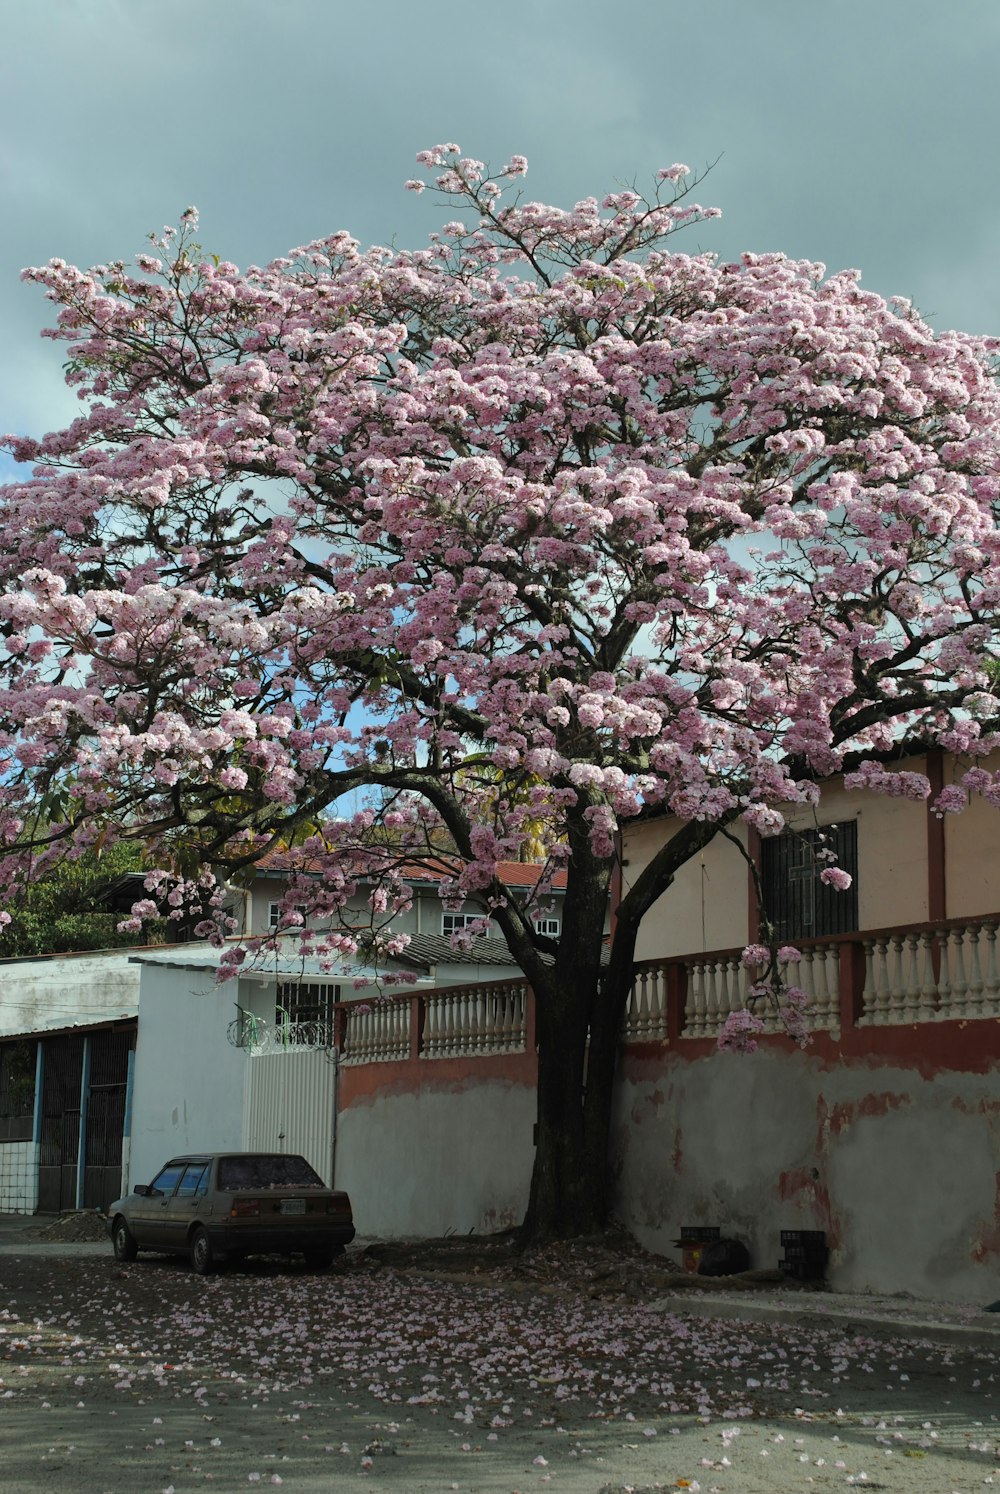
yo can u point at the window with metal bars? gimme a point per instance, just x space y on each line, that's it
306 1001
797 903
17 1089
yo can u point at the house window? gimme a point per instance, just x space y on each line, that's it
306 1002
17 1090
452 921
547 926
796 902
274 911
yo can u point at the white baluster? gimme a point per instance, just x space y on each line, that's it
974 993
659 1010
927 1004
869 1009
897 983
911 978
959 983
991 978
694 1009
711 999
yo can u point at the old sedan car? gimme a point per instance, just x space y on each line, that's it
222 1206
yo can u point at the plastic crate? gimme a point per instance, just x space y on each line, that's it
804 1270
699 1234
803 1237
806 1253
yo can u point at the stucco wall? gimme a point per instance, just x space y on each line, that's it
899 1166
438 1159
188 1088
706 908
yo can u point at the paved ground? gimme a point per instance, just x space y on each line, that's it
116 1380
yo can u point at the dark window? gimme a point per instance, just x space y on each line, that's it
272 1171
166 1181
17 1090
306 1001
195 1181
796 902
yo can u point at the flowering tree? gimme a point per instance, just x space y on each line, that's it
501 539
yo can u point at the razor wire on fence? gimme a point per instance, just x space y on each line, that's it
257 1035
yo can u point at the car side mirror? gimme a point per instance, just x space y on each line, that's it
143 1189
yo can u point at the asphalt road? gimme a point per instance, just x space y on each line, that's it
115 1380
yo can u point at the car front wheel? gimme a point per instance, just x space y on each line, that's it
322 1258
124 1242
203 1256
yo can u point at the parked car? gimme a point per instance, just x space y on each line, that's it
222 1206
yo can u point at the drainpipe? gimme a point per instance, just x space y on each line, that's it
36 1119
81 1150
127 1123
336 1096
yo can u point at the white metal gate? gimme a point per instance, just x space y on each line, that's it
288 1105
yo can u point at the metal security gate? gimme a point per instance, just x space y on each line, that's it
60 1133
84 1085
288 1105
102 1175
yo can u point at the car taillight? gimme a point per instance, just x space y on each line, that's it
335 1208
243 1207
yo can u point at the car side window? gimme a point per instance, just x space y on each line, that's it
194 1183
166 1180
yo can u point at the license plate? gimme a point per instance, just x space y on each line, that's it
293 1205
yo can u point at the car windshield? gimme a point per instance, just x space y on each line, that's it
276 1171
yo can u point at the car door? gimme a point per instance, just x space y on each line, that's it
148 1216
185 1206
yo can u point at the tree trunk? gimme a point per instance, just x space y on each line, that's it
578 1028
569 1181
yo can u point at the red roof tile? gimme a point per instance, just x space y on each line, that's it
512 873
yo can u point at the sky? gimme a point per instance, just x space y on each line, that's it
862 133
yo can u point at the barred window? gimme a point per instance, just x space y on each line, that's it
796 902
306 1001
17 1089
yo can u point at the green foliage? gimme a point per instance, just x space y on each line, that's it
59 912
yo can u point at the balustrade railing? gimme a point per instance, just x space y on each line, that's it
948 971
377 1032
941 973
452 1023
477 1019
719 984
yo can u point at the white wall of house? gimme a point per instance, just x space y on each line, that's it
49 992
897 1166
400 1160
188 1087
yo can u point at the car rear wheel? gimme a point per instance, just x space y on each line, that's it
124 1242
203 1257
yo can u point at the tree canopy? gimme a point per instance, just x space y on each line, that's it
510 536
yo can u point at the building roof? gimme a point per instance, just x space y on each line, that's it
511 873
427 950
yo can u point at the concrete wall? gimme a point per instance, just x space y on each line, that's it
900 1165
55 991
18 1177
887 1139
188 1089
429 1147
